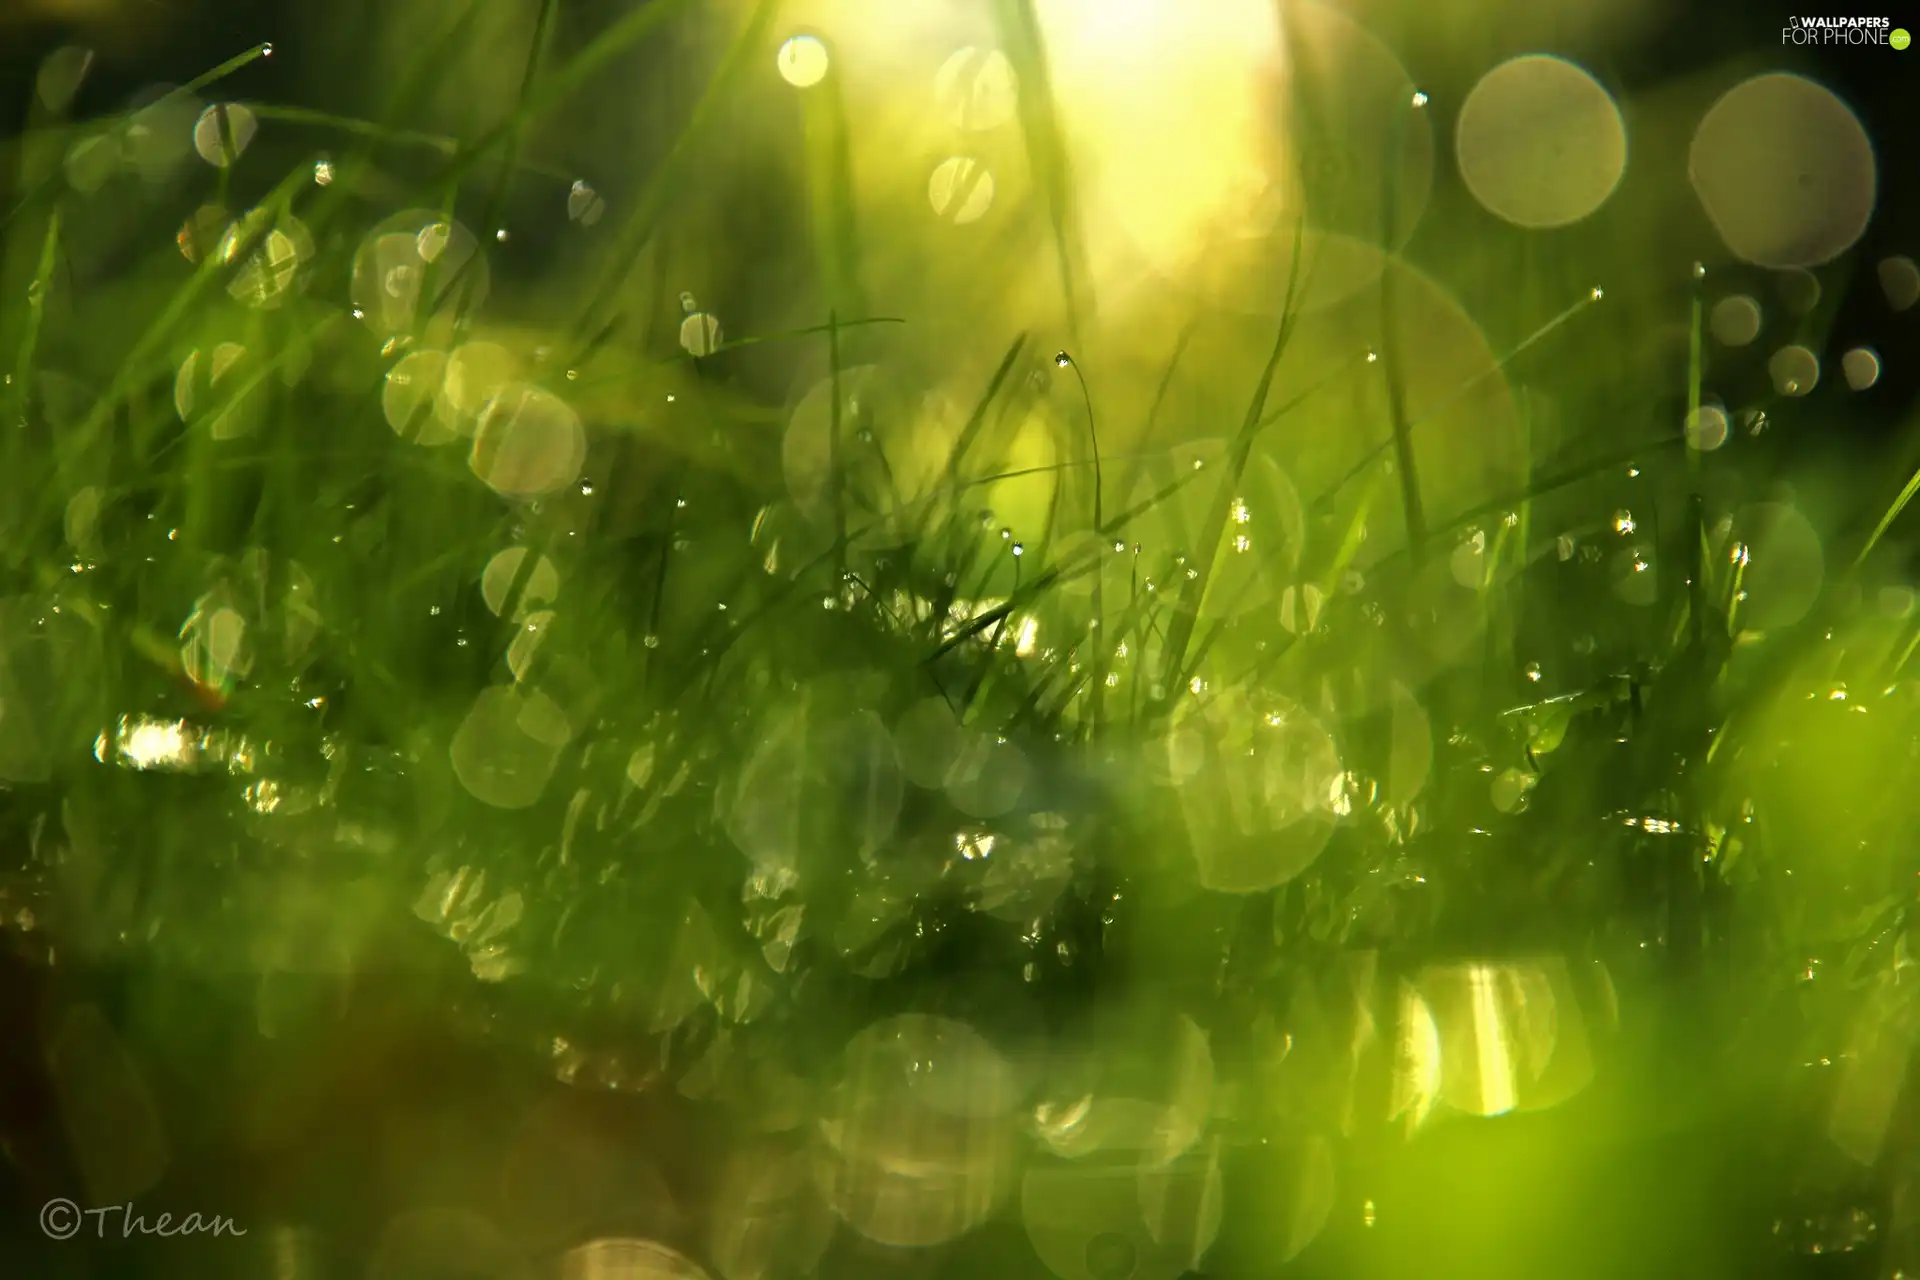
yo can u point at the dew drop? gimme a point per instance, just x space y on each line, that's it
501 235
1420 98
1061 359
803 61
652 642
1699 271
586 488
584 204
1019 550
1598 293
266 49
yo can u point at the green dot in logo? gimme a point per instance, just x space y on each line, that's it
1899 38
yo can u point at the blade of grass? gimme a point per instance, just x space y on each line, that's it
589 62
667 180
836 475
829 169
1191 591
36 317
1022 37
1459 393
537 49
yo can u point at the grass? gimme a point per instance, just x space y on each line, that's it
673 810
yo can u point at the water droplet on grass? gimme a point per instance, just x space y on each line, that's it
803 61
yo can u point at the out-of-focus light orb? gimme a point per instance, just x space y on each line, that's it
960 190
159 135
1468 563
584 205
1794 369
1785 565
476 372
1108 1220
803 61
200 234
1861 367
417 267
700 334
1784 171
223 132
1147 1101
274 262
407 399
1259 782
1510 1036
929 738
987 776
977 89
818 766
1295 1182
505 750
919 1146
529 442
892 455
767 1221
496 580
1540 142
626 1259
1900 281
1735 321
1707 428
198 387
1800 290
215 651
